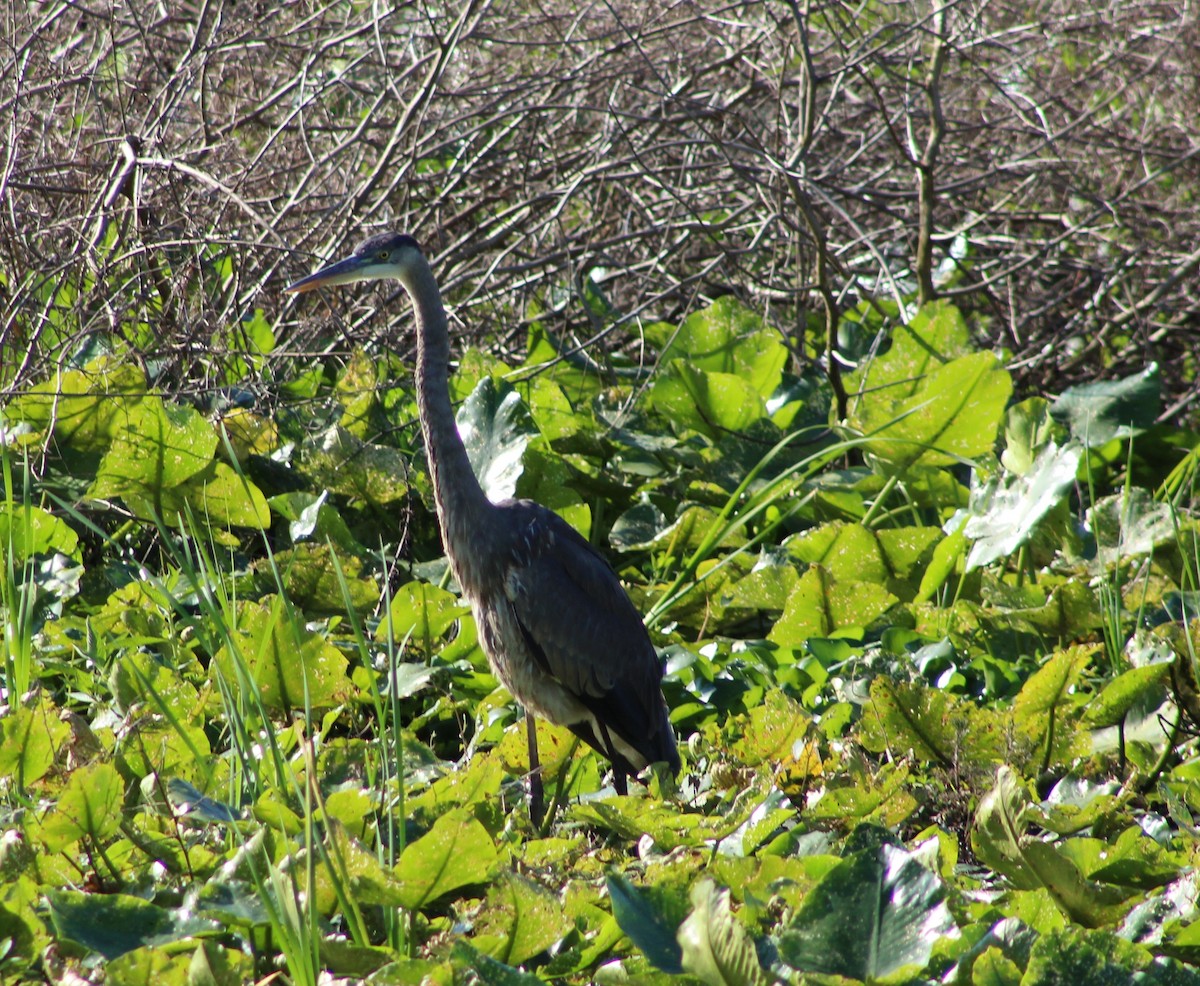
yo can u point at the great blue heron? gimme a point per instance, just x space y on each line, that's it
555 623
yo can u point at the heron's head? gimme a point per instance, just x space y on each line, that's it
384 255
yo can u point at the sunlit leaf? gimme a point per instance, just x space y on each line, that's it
90 807
289 667
1028 428
455 853
937 727
520 919
1132 523
1099 412
489 971
1004 513
422 613
873 915
847 551
930 401
225 498
1049 686
495 426
715 947
29 741
85 406
1001 841
157 447
820 605
727 337
343 463
646 927
1123 692
113 924
29 531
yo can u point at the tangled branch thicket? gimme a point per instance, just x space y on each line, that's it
167 167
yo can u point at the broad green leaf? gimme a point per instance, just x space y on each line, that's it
27 531
547 479
723 363
457 852
930 399
1132 523
907 550
552 411
880 799
422 613
348 863
722 402
646 927
1099 412
188 800
153 965
29 741
936 726
474 365
632 818
771 730
290 667
1099 958
766 587
495 426
224 498
1076 802
314 579
1003 514
994 968
357 391
1133 859
157 447
638 527
729 338
935 336
312 517
1000 824
141 678
820 605
1048 687
113 924
1123 692
489 971
877 913
520 920
847 551
213 965
89 807
1001 841
85 407
955 415
715 947
946 556
342 463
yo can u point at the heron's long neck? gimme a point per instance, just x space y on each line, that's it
462 506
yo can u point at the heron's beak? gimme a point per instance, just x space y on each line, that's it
343 272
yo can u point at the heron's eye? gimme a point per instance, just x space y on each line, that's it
383 254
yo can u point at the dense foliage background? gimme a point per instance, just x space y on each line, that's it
861 339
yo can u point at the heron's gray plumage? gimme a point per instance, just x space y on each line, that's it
555 622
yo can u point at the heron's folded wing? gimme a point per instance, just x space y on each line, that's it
580 623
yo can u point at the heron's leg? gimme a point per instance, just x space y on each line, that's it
618 774
619 781
535 772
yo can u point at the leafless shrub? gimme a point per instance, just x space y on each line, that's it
166 167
